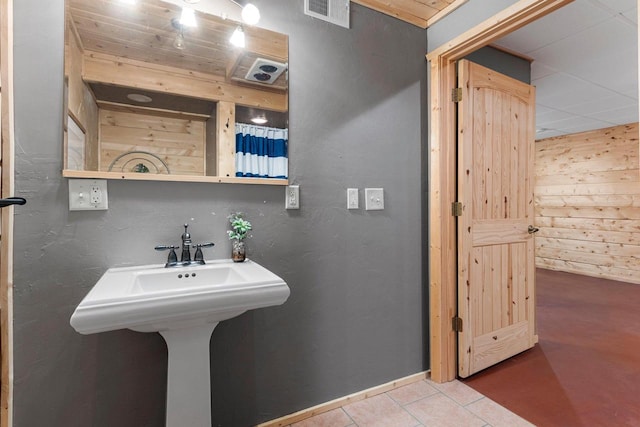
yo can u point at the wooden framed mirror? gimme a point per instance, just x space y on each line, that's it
157 99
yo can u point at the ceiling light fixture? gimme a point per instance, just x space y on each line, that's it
188 17
178 42
260 120
138 97
237 38
250 14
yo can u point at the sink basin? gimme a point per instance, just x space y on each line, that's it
214 276
153 298
183 304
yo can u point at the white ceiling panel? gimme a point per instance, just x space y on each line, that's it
540 70
581 124
632 16
559 91
548 133
572 122
615 6
617 76
544 119
585 66
541 109
569 20
599 105
609 42
618 116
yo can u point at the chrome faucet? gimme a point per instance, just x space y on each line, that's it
186 245
185 257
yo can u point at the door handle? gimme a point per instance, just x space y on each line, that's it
12 201
531 229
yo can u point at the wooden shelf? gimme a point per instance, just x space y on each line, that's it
67 173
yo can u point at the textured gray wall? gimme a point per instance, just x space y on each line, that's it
356 314
502 62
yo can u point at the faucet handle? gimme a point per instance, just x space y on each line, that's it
172 259
198 257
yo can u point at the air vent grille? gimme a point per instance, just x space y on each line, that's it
319 6
265 71
334 11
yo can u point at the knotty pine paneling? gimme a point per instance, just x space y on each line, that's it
180 143
587 201
80 103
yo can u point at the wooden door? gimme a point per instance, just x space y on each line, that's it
496 289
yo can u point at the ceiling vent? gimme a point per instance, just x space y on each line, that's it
334 11
265 71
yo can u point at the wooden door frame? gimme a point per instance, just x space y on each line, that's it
443 249
6 243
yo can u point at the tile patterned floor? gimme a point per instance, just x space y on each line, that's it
423 403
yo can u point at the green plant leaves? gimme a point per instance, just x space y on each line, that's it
239 226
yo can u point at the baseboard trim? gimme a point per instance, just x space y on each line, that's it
341 401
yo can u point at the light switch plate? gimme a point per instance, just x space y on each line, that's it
88 195
352 198
374 199
292 197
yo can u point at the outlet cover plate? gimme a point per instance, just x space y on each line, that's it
352 198
292 197
374 199
88 195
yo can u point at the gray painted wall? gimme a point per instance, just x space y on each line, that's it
502 62
466 17
356 314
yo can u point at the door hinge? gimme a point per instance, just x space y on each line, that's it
456 209
457 324
456 94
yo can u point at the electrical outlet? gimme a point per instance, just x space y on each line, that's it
352 198
374 199
88 194
292 197
96 195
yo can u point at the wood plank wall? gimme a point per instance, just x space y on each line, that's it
80 102
587 198
179 142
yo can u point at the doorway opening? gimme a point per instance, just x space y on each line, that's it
443 170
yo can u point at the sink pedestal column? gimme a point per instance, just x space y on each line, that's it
188 376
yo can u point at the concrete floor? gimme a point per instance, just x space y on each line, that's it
585 371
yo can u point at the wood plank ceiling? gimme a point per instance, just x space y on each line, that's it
422 13
106 26
147 31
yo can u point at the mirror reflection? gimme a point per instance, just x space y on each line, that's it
167 90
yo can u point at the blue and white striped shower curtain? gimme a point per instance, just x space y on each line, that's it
261 151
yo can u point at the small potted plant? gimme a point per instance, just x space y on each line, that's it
239 229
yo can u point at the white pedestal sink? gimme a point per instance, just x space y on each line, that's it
183 304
